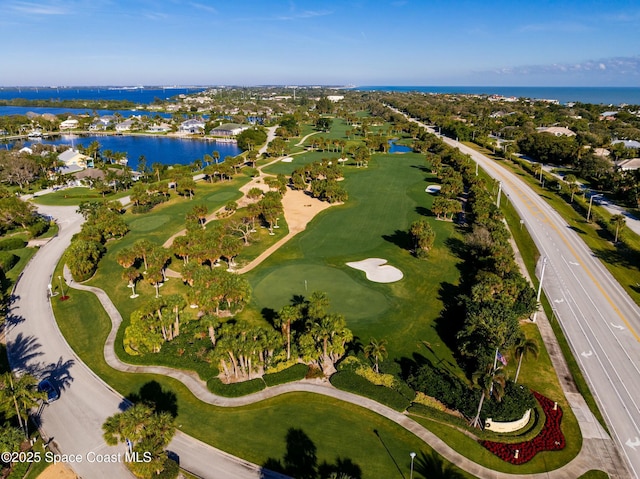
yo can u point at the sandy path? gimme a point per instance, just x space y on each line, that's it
299 209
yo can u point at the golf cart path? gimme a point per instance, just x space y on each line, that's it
593 454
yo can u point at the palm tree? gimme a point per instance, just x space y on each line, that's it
538 170
524 347
574 187
24 394
491 381
376 350
287 315
147 430
132 275
432 466
619 222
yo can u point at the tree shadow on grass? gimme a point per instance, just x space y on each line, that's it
300 461
153 394
402 239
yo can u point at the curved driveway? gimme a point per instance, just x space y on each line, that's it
74 422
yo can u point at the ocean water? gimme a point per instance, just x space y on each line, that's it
596 95
141 96
146 95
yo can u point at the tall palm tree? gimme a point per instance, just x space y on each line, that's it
524 347
287 315
619 222
23 392
491 381
376 350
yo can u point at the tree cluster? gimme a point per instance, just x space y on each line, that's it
103 222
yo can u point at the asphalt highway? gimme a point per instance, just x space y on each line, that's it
599 319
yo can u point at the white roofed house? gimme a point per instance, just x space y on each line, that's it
69 124
556 130
73 161
125 125
228 129
194 126
102 123
159 128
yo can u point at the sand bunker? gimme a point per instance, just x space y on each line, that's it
377 270
287 160
433 189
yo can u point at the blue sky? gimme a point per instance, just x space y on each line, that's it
337 42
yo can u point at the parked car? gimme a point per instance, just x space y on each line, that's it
47 386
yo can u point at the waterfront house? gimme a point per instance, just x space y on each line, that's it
102 123
159 128
69 124
192 126
228 130
126 125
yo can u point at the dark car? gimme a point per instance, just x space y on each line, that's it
46 386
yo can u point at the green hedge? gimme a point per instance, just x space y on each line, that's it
294 373
12 243
8 260
351 382
527 433
235 389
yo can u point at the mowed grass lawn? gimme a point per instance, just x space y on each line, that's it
256 432
383 201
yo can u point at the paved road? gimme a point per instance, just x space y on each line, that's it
36 345
599 319
74 422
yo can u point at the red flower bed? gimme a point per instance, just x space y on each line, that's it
549 439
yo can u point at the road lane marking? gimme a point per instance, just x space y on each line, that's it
577 257
587 354
633 444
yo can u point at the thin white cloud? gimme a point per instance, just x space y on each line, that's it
203 7
563 27
624 66
305 14
40 8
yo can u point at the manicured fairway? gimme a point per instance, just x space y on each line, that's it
383 201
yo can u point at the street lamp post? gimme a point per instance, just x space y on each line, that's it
590 203
544 265
413 456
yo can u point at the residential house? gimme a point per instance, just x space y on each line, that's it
126 125
556 130
192 126
159 128
228 129
73 161
627 143
627 165
69 124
